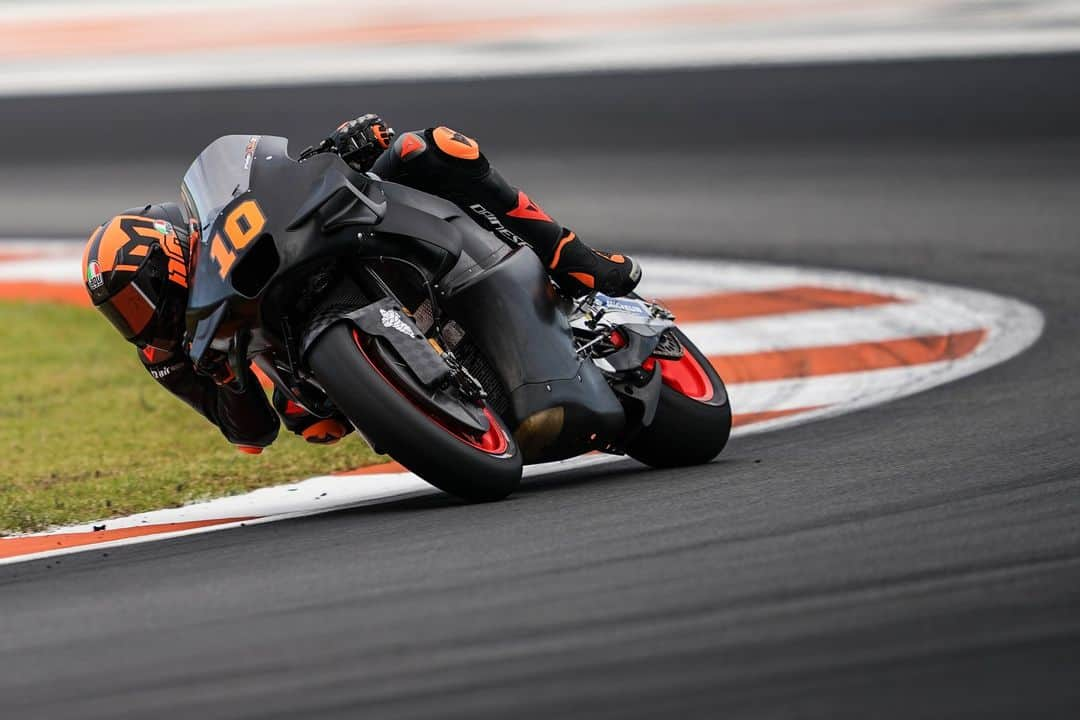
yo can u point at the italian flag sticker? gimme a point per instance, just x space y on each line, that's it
93 275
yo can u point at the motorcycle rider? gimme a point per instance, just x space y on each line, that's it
136 267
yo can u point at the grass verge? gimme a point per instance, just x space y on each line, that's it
86 433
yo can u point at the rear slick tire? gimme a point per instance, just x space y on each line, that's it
686 431
392 422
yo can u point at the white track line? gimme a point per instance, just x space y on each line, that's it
842 326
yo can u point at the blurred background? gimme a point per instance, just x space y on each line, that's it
934 139
728 104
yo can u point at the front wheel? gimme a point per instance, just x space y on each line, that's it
693 415
476 468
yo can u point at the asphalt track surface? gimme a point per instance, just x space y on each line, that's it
918 559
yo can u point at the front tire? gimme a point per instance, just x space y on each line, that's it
693 417
479 469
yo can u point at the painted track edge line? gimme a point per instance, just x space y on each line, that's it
121 542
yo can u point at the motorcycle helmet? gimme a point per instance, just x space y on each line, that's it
136 272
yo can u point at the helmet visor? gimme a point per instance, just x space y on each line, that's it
131 309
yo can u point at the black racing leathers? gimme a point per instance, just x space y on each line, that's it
446 163
449 164
243 418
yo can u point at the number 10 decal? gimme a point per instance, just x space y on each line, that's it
242 225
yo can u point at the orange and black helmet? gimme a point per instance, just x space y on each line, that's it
135 270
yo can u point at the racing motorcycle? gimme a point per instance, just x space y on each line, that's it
447 346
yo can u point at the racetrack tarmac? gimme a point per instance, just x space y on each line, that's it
918 559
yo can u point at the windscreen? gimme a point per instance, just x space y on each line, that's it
221 172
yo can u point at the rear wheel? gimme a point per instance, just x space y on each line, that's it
693 415
477 467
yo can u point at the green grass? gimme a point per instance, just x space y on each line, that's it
86 433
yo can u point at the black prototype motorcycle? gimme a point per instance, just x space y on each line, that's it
448 349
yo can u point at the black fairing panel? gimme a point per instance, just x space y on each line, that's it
425 202
421 215
511 313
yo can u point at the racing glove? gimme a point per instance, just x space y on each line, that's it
359 142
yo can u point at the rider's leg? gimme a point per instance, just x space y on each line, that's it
446 163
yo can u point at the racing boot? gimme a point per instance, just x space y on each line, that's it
580 270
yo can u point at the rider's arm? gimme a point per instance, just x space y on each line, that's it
244 419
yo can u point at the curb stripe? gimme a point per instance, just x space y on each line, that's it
793 344
15 256
846 391
48 543
285 28
387 467
835 359
13 547
65 293
701 308
743 419
737 305
842 326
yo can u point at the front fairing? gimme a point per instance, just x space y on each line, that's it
215 182
218 181
250 201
